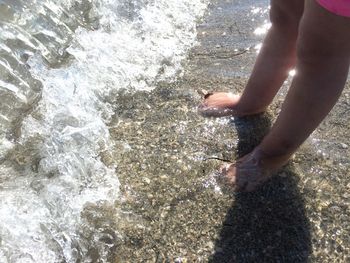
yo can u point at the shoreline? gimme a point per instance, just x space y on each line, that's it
173 209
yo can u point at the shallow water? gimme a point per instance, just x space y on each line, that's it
104 157
170 154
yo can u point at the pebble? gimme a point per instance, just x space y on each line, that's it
344 146
146 180
210 245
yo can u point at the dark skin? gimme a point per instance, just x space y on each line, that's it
317 43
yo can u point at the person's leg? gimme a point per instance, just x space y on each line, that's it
276 58
323 59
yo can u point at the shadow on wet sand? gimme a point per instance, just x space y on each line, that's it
269 225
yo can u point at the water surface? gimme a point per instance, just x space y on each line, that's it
104 157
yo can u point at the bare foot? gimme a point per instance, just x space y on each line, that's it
220 104
252 170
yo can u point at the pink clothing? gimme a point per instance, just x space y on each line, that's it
338 7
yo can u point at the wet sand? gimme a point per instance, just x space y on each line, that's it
172 209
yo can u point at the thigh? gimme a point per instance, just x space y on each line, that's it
286 12
323 34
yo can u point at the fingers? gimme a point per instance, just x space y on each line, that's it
242 177
214 112
228 171
220 99
233 178
208 95
219 104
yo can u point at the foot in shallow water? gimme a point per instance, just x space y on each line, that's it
252 170
220 104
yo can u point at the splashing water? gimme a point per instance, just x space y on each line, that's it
61 63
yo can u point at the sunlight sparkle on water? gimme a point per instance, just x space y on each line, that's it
261 30
211 182
256 10
258 48
259 10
